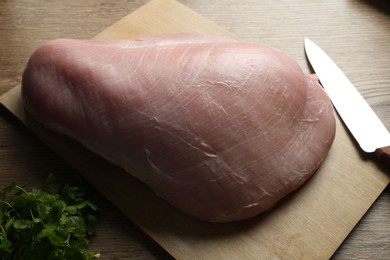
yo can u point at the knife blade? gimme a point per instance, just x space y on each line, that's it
358 116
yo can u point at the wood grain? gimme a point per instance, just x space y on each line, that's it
282 25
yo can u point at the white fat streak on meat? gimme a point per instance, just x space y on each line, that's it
218 133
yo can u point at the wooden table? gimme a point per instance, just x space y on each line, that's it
355 32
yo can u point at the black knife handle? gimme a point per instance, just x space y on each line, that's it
383 155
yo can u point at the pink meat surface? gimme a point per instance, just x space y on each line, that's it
220 129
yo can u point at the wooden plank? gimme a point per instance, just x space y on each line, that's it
311 223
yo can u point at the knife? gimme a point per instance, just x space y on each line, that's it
364 125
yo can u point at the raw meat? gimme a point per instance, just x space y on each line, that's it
220 129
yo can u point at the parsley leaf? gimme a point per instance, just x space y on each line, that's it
54 222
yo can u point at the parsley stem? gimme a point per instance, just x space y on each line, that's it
3 231
21 188
6 203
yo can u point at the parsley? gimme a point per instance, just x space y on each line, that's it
54 222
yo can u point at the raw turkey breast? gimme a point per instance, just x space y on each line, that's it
220 129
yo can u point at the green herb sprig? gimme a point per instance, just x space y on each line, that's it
54 222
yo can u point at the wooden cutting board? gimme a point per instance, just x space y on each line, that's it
311 223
